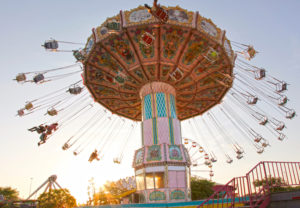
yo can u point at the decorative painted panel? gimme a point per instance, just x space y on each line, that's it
177 194
119 44
175 152
157 196
154 153
139 157
172 38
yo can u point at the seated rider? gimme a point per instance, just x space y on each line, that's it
66 146
43 139
94 156
39 129
52 127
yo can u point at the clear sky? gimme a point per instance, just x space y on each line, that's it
272 26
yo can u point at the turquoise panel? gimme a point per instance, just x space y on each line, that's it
147 107
217 202
161 105
172 106
171 131
154 131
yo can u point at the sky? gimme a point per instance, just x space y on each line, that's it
272 26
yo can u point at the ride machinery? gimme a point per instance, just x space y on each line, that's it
159 66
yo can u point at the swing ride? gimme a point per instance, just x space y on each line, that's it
160 66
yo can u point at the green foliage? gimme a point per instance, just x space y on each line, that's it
201 188
9 193
114 188
275 185
271 181
57 199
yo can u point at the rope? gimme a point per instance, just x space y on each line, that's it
51 70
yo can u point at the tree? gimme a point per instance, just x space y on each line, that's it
57 198
201 188
100 198
9 193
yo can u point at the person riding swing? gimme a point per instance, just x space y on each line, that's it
94 156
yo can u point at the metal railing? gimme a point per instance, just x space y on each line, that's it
253 190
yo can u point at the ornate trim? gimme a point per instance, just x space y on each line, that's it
154 87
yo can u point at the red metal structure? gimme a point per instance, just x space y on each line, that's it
255 187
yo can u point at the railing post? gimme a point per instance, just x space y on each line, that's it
233 194
249 188
266 177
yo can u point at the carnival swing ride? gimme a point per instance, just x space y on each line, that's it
159 66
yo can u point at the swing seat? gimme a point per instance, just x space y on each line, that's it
21 77
229 161
38 78
259 74
282 100
263 120
51 45
65 146
280 126
261 150
213 160
281 86
290 114
21 112
239 156
28 106
52 112
207 162
252 100
281 137
75 90
117 161
257 139
251 52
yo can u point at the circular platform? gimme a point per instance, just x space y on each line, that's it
188 52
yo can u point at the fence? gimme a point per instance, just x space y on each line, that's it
253 189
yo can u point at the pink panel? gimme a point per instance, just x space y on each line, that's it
172 179
163 130
181 179
177 131
147 131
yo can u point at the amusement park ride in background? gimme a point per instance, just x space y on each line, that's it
212 78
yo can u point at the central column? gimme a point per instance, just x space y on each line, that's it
159 121
162 164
